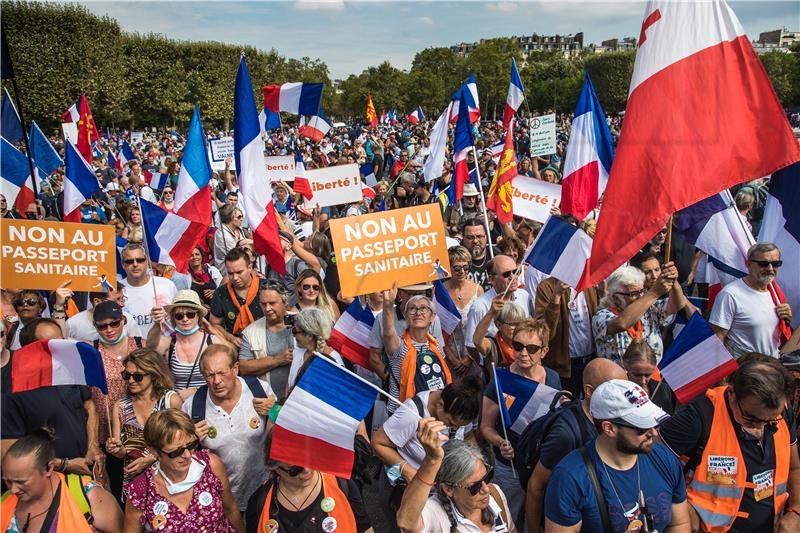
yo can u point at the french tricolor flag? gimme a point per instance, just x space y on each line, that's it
516 94
350 335
193 192
112 161
72 114
589 156
156 180
296 98
368 174
367 191
696 360
15 177
317 424
470 88
416 116
125 155
446 310
249 154
562 251
169 237
80 183
47 363
524 400
301 183
318 127
462 144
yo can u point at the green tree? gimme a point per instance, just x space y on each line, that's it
784 72
491 64
611 76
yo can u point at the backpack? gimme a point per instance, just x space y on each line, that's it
199 399
529 444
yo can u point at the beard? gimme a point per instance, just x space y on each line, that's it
766 279
476 251
624 446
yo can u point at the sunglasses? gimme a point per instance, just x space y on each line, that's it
765 264
530 348
135 260
108 325
137 376
475 488
187 314
307 287
639 431
459 268
192 446
507 274
30 302
293 471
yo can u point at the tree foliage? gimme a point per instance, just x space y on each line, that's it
784 72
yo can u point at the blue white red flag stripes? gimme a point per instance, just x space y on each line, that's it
296 98
696 360
15 177
589 156
471 97
781 226
433 167
524 400
48 363
72 114
80 183
268 120
368 174
350 335
301 183
698 105
193 191
516 94
112 161
317 425
252 172
445 309
416 116
156 180
318 127
169 238
125 154
462 143
562 251
367 191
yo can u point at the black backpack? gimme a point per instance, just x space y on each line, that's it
529 444
199 400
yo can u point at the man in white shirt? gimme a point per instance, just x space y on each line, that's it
746 314
81 326
139 288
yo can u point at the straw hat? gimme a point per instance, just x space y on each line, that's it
186 298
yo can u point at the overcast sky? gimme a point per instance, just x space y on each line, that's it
350 36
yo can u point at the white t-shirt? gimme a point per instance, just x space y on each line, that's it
750 318
481 307
140 300
581 343
80 326
435 518
401 428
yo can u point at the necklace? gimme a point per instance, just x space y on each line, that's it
30 516
638 491
290 502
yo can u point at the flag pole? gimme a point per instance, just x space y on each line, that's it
147 253
499 406
668 244
483 203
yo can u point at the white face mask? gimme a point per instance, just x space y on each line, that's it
192 477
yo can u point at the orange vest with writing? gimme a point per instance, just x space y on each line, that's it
408 370
345 520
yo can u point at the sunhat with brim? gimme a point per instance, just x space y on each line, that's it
186 298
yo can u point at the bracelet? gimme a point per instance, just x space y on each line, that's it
62 467
402 465
418 478
792 510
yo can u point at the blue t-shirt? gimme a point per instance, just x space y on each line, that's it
570 497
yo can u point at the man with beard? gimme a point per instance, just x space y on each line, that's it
641 482
475 241
745 315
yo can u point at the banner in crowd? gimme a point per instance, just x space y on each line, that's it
43 255
533 199
137 137
403 246
218 150
543 135
334 185
280 167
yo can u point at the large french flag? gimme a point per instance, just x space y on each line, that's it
80 183
589 156
562 251
16 183
156 180
318 127
249 153
462 143
524 400
699 99
44 155
470 89
434 164
193 192
47 363
297 98
350 335
301 183
267 120
696 360
445 309
416 116
317 425
781 225
169 237
516 94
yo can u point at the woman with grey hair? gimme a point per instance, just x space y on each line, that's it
497 349
311 328
229 233
463 500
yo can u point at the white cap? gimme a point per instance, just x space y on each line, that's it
624 400
111 186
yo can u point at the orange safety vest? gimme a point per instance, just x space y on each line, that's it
70 517
408 370
342 512
716 492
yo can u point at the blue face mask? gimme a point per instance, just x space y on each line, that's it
122 336
187 331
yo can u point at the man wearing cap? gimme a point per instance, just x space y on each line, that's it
470 205
640 481
739 445
81 325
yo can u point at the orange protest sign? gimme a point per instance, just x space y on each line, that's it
43 255
405 246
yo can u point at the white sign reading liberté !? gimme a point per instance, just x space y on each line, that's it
543 135
337 185
533 199
280 167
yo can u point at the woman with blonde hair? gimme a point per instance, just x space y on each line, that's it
311 292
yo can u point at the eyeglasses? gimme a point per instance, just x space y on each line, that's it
137 376
530 348
475 488
186 314
507 274
192 446
754 419
460 268
639 431
632 294
293 471
108 325
417 310
133 260
30 302
211 375
765 264
308 287
298 331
